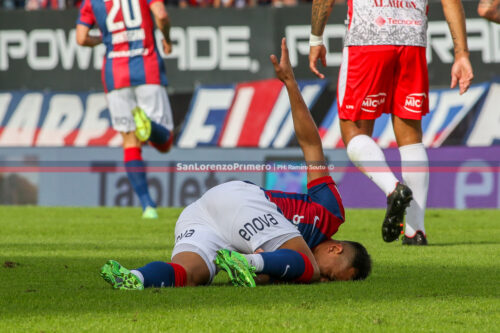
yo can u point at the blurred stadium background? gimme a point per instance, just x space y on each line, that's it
55 133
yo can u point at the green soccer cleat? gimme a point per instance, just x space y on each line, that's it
142 124
119 277
149 213
240 272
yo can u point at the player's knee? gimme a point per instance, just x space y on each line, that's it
350 129
196 270
130 140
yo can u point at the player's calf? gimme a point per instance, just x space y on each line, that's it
163 146
155 274
136 172
159 274
283 265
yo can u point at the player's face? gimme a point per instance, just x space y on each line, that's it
337 274
335 267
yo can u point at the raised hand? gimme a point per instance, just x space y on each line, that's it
283 68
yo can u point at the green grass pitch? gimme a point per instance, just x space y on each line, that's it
50 260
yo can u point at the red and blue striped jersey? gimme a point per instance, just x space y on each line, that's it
127 30
317 214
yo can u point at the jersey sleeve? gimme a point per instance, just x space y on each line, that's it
86 15
324 192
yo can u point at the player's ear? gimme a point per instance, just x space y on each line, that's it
336 248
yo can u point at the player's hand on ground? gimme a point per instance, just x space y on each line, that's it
283 68
167 47
461 73
317 53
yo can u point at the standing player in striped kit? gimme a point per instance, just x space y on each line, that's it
134 79
384 70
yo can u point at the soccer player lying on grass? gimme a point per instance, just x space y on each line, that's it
292 230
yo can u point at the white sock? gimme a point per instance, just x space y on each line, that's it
370 159
415 167
255 260
138 274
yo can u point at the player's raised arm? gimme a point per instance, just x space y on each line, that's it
162 21
321 10
461 71
305 128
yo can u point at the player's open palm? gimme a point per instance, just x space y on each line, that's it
283 68
461 72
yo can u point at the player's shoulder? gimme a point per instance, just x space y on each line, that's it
324 193
320 182
276 194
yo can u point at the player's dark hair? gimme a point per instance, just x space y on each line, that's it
361 261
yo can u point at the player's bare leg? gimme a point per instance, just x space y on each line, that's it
407 131
490 10
415 171
370 159
197 272
136 172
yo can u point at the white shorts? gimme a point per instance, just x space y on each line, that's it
234 215
152 98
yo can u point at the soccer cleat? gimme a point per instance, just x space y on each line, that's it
142 124
119 277
418 239
397 202
240 272
150 213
